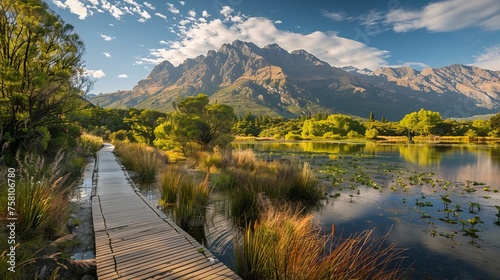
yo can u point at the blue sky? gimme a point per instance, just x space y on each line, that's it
125 39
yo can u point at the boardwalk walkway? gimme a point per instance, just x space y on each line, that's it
135 241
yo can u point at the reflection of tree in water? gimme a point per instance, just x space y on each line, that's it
494 154
422 155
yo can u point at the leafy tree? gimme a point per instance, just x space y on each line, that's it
421 122
143 124
495 123
337 124
371 133
197 125
41 74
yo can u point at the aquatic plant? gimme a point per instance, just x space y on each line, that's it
472 232
473 205
446 200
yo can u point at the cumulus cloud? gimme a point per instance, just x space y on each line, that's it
97 74
449 15
106 37
192 13
328 46
107 55
182 3
205 14
278 22
74 6
489 59
122 76
172 8
226 11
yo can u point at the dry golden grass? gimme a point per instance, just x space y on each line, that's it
285 244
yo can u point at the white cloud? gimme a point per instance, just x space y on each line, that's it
74 6
106 37
184 22
172 8
278 22
163 42
448 15
107 55
149 5
226 11
182 3
201 37
489 59
97 74
161 15
205 14
203 20
192 13
122 76
94 2
112 9
337 16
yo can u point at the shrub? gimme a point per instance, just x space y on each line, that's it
371 133
89 145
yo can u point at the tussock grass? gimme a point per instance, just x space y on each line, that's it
42 190
142 159
89 144
188 198
248 177
284 244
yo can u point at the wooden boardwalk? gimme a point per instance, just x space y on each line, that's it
135 241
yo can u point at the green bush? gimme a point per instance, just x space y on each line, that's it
142 159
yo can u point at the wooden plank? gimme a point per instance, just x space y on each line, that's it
135 241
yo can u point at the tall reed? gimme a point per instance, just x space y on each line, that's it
188 198
140 158
285 244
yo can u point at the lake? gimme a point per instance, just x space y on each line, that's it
426 195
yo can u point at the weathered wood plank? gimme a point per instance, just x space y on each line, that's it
135 241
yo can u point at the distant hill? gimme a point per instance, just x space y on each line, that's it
271 80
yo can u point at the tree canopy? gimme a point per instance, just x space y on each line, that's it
422 122
41 74
196 125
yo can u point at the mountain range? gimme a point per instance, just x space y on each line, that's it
271 80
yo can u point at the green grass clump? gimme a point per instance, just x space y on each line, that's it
140 158
188 198
247 178
285 244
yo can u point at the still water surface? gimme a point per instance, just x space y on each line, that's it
400 175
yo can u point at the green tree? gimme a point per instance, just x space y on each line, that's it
421 122
372 116
197 125
495 123
41 74
143 123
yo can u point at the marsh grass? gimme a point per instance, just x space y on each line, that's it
140 158
181 193
285 244
42 203
246 178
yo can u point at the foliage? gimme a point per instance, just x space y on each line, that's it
284 244
41 74
41 196
142 124
89 144
495 123
197 125
142 159
371 133
337 124
421 122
